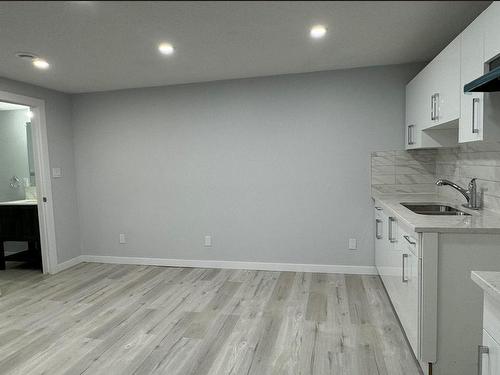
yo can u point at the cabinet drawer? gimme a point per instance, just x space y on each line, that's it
490 361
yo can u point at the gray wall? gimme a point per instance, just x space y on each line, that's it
276 169
13 153
60 139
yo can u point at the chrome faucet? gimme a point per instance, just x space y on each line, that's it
470 193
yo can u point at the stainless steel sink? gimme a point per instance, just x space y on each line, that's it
434 209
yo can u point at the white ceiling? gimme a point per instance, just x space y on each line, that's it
96 46
10 107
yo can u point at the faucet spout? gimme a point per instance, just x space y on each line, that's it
470 193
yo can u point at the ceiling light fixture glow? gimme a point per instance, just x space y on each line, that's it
166 48
40 63
318 31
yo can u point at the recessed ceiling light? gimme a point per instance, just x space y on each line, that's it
40 63
318 31
166 48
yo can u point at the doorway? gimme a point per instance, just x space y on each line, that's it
28 235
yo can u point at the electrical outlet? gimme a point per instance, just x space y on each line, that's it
208 241
353 245
122 238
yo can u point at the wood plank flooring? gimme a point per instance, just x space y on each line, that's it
121 319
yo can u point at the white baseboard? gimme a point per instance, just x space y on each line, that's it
293 267
68 264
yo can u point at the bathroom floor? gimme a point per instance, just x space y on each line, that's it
122 319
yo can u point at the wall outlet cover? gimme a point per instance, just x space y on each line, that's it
208 241
56 172
353 245
123 238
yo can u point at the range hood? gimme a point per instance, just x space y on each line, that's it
490 82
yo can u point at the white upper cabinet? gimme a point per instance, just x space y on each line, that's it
491 31
443 89
479 112
472 67
437 107
413 125
433 101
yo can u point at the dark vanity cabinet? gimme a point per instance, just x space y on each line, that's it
20 223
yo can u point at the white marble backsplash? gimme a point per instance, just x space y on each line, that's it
415 171
404 171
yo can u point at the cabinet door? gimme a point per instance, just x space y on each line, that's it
409 306
384 257
490 362
412 134
379 239
472 66
492 31
444 87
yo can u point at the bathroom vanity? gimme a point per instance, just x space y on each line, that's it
424 259
19 222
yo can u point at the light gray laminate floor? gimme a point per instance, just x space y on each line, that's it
120 319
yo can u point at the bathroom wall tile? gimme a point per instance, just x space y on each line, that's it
447 157
446 170
383 153
424 169
406 158
383 160
389 179
415 179
405 189
491 203
481 146
383 170
491 158
480 171
416 171
489 187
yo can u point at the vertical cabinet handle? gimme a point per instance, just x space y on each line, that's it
403 274
411 137
391 234
475 117
432 107
378 234
437 107
481 350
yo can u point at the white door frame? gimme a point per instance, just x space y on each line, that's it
42 175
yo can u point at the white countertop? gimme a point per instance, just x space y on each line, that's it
25 202
482 221
488 281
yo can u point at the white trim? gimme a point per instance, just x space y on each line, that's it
293 267
42 175
68 264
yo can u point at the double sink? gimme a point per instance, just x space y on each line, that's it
434 209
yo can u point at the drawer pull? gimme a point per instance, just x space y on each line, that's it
378 224
404 278
391 230
481 349
408 239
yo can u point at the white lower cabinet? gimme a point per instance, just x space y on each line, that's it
489 356
398 264
489 352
